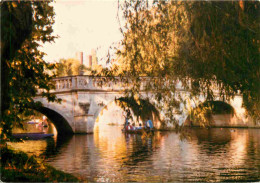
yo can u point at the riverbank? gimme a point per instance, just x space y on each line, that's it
17 166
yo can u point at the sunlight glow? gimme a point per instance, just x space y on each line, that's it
82 26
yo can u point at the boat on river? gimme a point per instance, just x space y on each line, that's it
32 136
35 121
138 131
39 123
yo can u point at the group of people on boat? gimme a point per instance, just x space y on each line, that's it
38 122
132 127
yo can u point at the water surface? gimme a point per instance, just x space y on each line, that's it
108 155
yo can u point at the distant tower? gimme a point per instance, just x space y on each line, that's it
90 61
79 56
94 57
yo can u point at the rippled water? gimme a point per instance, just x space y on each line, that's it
109 155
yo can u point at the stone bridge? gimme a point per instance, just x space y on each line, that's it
83 97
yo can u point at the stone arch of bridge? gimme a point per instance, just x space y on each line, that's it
153 114
105 107
216 106
60 121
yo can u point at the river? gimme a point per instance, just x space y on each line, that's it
108 155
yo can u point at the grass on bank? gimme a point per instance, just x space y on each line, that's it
19 167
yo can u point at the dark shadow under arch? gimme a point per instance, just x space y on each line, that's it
57 119
143 108
219 107
203 113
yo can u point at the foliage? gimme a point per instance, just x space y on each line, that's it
222 48
69 67
141 108
18 166
207 45
24 27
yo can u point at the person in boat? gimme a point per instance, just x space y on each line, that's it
149 124
133 127
127 117
44 121
129 127
139 127
126 123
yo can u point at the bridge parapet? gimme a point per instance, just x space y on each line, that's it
119 84
86 82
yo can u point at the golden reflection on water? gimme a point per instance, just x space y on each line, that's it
30 147
119 151
238 147
112 149
33 147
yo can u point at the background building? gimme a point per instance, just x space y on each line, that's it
88 60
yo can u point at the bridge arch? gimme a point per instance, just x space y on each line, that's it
60 122
110 108
139 111
209 113
143 108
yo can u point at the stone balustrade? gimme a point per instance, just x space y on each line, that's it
90 83
101 83
96 83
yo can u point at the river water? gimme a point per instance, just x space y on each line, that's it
109 155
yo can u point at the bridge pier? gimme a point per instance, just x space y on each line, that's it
84 124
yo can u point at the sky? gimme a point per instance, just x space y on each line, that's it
82 25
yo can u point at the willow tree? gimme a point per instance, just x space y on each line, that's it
203 44
25 26
223 46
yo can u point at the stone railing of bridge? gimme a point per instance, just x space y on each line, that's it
90 83
96 83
